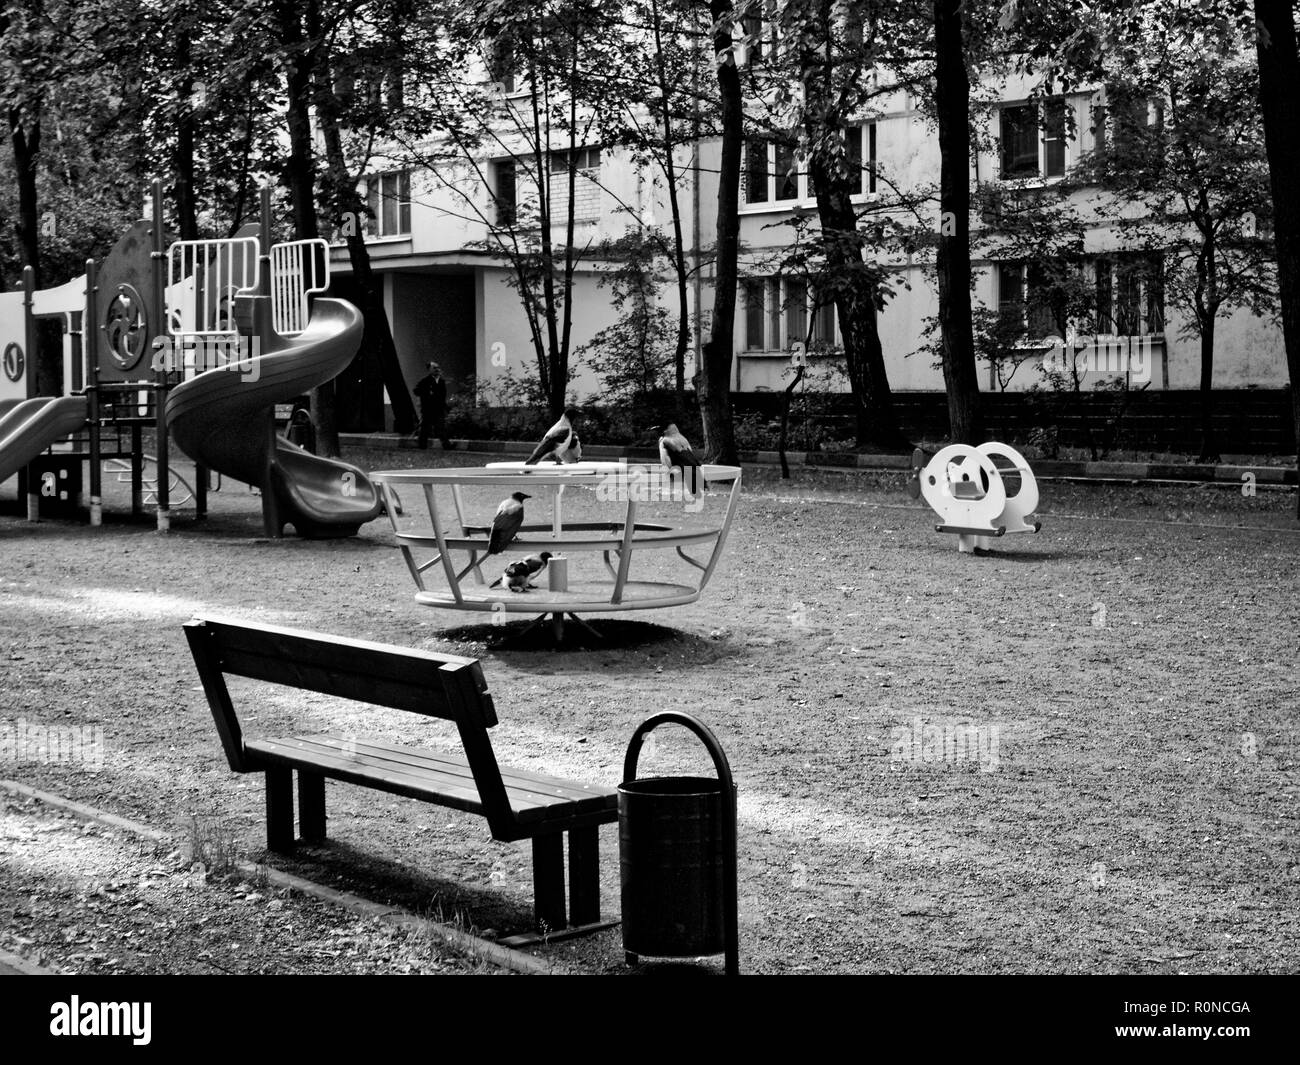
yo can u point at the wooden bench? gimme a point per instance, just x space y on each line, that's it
516 804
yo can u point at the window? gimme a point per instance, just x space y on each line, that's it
1130 295
1054 137
503 64
796 312
1018 142
758 30
388 197
517 184
754 335
778 311
1132 117
584 159
1026 295
1128 290
860 146
771 172
505 194
1032 140
823 323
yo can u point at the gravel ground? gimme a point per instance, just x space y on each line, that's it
1128 801
80 898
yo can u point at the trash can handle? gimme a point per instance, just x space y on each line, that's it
730 872
710 741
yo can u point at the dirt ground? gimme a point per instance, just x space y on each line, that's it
1127 799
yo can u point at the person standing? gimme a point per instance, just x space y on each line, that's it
431 391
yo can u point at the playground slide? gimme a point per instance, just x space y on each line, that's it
29 427
219 419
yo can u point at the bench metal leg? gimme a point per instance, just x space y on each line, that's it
311 807
584 875
548 881
279 809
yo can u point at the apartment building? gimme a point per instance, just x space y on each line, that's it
451 298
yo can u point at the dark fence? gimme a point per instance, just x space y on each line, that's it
1252 421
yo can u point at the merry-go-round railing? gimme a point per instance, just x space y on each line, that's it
453 541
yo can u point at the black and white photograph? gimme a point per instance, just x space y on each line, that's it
666 489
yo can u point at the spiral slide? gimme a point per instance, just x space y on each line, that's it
29 427
221 419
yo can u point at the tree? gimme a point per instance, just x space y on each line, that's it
1279 96
357 77
502 127
37 51
832 50
952 112
1188 157
655 116
636 354
717 353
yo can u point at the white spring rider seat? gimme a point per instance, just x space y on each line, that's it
968 491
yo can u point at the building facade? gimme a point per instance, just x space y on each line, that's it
452 299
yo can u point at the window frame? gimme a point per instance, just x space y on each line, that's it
378 202
868 141
780 318
1049 130
1145 273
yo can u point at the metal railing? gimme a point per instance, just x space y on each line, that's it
203 278
299 269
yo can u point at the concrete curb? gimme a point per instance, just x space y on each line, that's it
503 957
1044 469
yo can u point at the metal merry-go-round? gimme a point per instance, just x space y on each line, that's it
619 487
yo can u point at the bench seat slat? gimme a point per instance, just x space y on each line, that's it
293 753
424 775
442 771
525 796
515 779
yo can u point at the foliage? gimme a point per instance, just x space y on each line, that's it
633 356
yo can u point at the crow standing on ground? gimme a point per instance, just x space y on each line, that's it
555 444
505 526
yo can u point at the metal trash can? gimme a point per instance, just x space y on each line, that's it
677 856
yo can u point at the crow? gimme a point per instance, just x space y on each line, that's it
555 443
675 450
572 453
505 525
518 575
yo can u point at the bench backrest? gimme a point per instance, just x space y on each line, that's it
444 686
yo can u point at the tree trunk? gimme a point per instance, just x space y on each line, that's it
717 352
1209 447
952 107
300 167
377 342
855 301
47 360
186 205
1279 94
679 247
300 177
